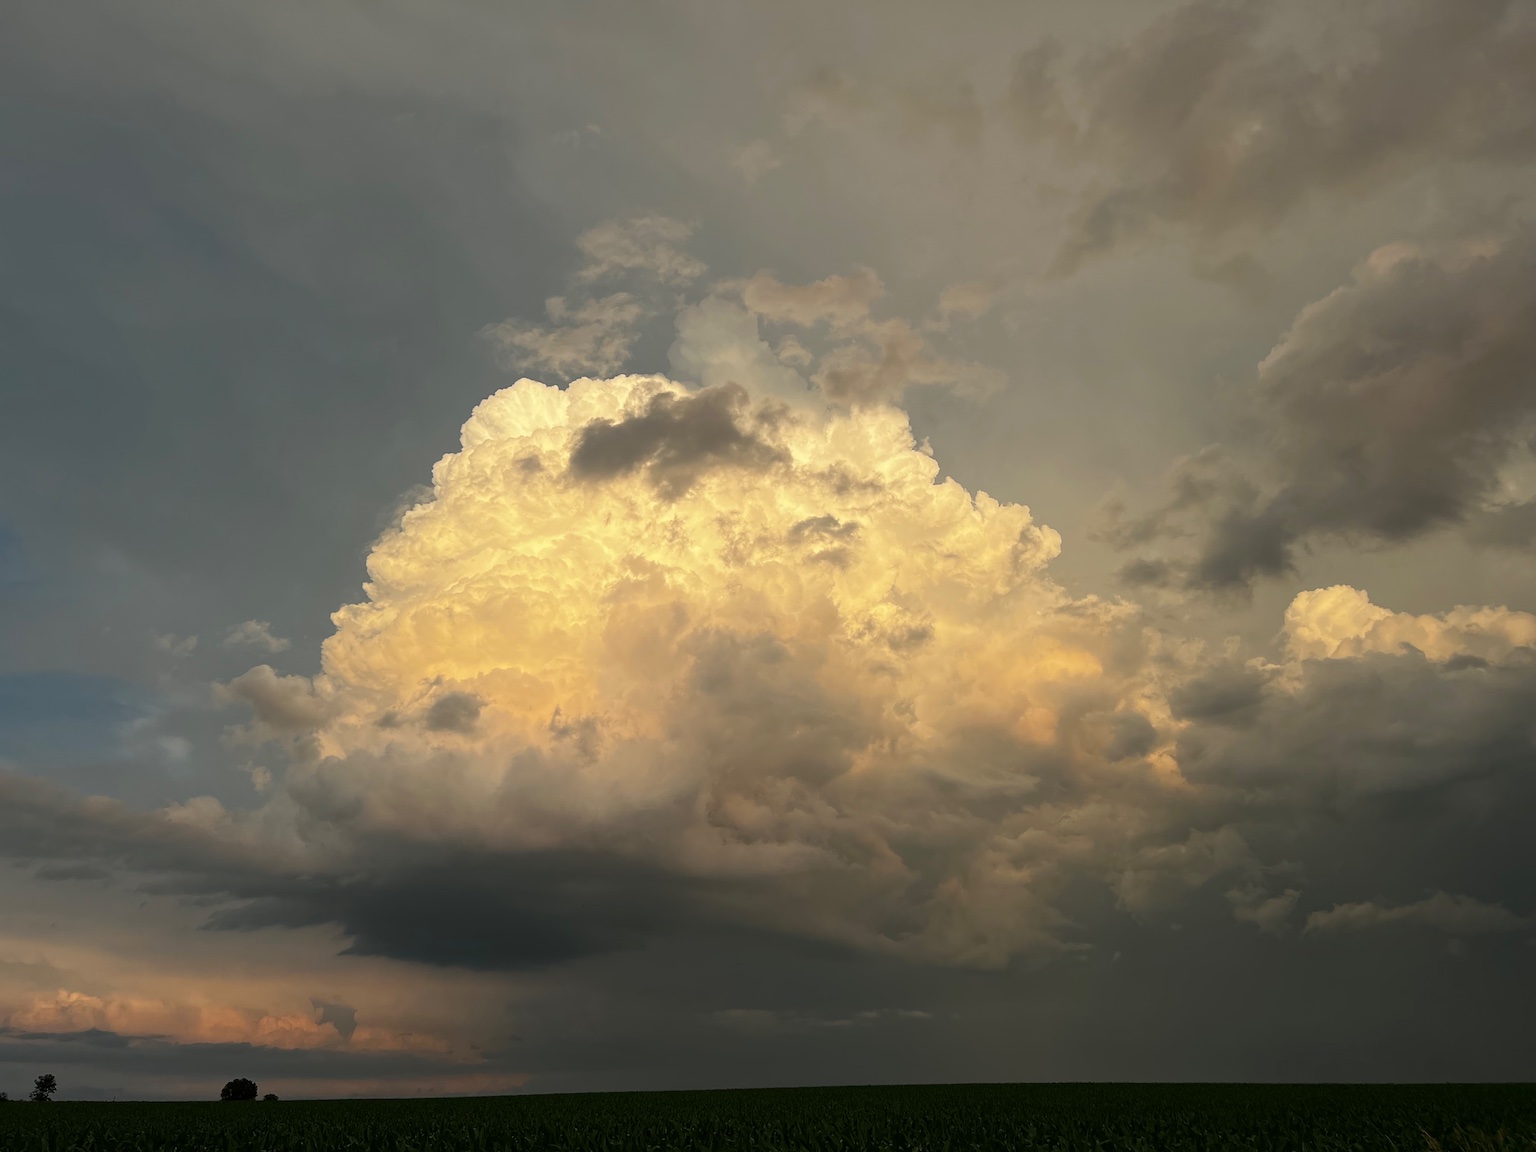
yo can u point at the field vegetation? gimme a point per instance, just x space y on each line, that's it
1143 1118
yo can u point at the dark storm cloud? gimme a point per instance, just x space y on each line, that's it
464 909
433 905
1207 120
1370 725
1387 411
1226 695
674 440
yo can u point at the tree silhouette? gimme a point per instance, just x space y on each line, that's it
43 1088
238 1089
269 1097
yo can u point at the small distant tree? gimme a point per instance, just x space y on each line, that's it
238 1089
43 1088
270 1097
3 1097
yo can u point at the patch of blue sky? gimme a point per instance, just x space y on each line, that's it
55 717
14 569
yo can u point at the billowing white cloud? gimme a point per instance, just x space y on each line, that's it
1330 623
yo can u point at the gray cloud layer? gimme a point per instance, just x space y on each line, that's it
1389 409
1208 119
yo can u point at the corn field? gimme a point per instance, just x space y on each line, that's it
1132 1118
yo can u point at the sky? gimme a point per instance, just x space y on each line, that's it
636 545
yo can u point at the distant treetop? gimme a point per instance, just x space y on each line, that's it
238 1089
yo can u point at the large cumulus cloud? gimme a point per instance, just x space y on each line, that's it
724 638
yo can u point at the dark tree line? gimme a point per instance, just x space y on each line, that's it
47 1084
42 1092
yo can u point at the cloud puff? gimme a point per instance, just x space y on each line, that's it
1330 623
287 709
965 301
1251 904
648 244
865 360
249 634
1390 408
755 160
594 336
1208 119
1453 915
177 646
720 343
591 334
843 301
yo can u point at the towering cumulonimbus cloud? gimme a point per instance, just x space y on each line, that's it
728 638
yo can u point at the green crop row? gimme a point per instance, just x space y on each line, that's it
952 1118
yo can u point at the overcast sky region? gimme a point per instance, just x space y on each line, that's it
691 543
